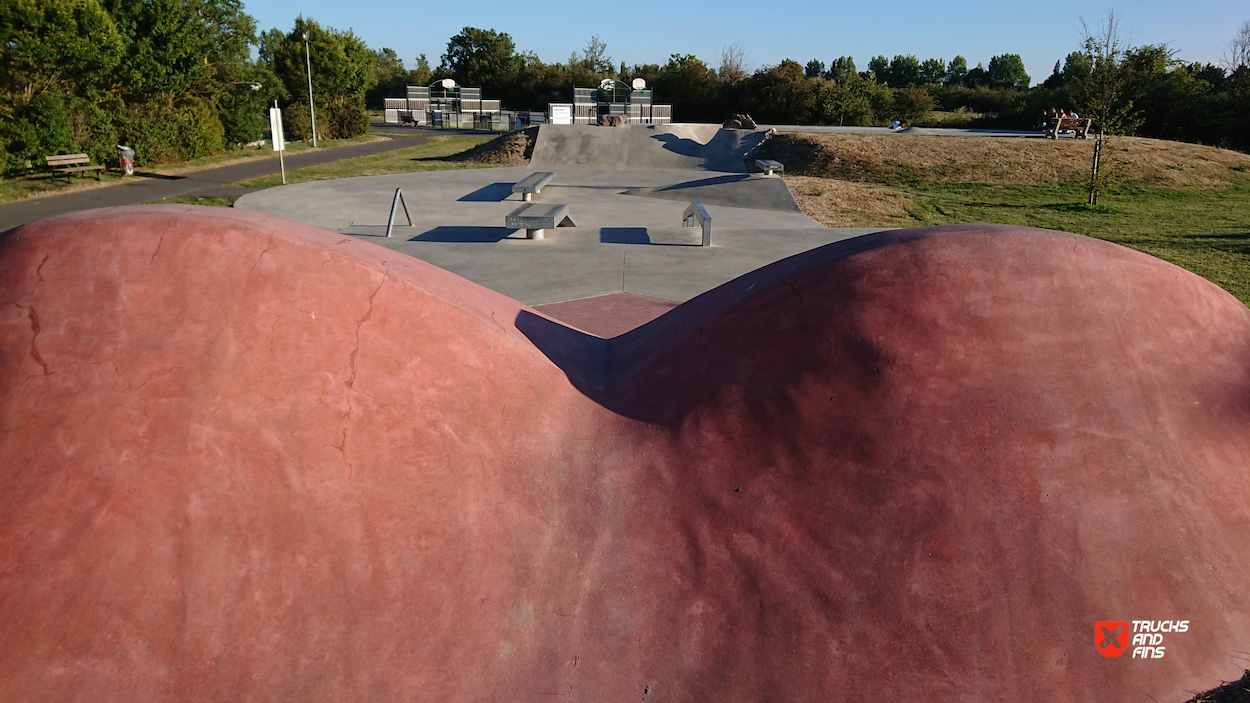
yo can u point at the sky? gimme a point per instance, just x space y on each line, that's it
648 31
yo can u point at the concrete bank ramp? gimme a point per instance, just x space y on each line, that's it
644 147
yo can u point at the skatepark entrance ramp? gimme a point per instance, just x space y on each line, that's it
704 147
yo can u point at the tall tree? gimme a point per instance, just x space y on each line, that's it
933 71
342 72
904 71
842 69
814 68
483 58
956 71
1007 71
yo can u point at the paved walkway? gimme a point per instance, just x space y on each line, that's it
913 131
193 184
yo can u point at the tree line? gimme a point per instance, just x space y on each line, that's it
176 79
1143 90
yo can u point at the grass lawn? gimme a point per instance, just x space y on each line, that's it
431 156
1204 230
1184 203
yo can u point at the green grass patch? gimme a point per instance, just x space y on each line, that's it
213 201
1204 230
434 155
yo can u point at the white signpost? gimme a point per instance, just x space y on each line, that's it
279 142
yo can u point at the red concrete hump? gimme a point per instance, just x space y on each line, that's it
247 459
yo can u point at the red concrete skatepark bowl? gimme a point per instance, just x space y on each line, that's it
247 459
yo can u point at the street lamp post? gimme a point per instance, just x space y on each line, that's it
312 112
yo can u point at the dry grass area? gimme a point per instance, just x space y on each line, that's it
900 159
511 149
835 203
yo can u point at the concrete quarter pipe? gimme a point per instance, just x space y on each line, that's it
248 459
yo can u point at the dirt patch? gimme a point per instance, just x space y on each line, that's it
511 149
901 159
835 203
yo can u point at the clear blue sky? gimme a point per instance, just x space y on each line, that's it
647 31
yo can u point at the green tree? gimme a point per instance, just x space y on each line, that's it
390 78
904 71
911 104
975 77
1007 71
482 58
693 88
956 71
60 47
933 71
814 68
879 69
595 57
422 75
842 69
342 72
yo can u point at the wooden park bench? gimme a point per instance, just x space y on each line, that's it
768 166
67 164
696 216
1078 126
536 217
532 183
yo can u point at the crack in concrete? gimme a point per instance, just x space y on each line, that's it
159 242
34 349
351 381
794 290
268 246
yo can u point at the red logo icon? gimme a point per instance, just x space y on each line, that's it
1111 637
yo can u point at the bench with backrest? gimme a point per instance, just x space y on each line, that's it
532 183
696 216
71 163
1079 126
536 217
768 166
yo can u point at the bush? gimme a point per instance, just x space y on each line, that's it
912 104
243 118
162 133
38 128
345 120
296 122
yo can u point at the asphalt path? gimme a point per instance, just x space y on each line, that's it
145 189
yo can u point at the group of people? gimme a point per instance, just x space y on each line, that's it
1053 115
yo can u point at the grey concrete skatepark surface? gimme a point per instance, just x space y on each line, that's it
626 188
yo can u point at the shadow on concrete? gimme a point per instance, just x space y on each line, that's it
639 236
464 234
624 235
149 174
703 182
493 193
